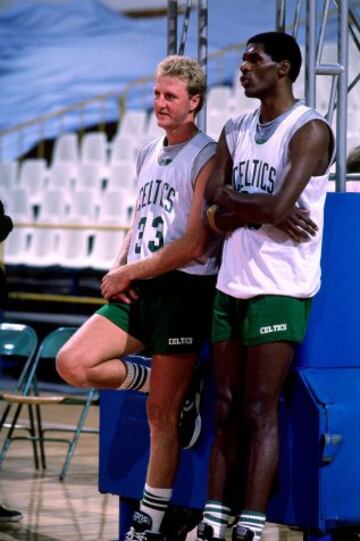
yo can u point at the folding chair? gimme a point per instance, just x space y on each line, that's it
19 341
31 395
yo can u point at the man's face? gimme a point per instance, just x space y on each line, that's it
259 72
172 104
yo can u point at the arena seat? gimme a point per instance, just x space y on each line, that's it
124 147
16 246
133 123
42 247
8 174
219 99
61 177
52 207
72 247
89 177
19 206
122 174
94 148
114 207
66 149
152 130
106 246
83 207
32 178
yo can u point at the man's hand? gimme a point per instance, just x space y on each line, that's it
116 285
299 226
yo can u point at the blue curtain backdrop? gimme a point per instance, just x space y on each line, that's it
55 54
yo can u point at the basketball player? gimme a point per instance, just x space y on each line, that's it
161 287
267 161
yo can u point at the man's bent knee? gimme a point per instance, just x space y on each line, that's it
70 367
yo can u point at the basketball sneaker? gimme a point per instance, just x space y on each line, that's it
140 529
9 515
205 532
190 418
241 533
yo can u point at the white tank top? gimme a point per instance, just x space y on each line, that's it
265 261
164 199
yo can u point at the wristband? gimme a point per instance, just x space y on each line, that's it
210 215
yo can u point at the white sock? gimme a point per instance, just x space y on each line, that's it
137 377
216 514
154 503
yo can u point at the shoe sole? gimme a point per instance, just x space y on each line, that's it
196 433
12 519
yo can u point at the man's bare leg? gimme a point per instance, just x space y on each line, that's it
170 380
91 357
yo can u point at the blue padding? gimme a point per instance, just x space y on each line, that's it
332 337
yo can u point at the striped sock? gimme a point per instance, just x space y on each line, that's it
137 378
155 503
216 514
253 520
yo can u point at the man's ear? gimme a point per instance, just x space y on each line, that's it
194 100
284 68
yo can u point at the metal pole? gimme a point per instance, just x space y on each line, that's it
202 53
172 12
280 16
297 18
185 27
310 52
341 113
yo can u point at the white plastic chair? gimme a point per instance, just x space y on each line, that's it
114 207
72 247
32 178
42 250
8 174
15 246
94 148
152 130
82 207
133 123
124 147
89 177
66 149
53 206
219 99
105 248
61 177
215 122
122 174
19 206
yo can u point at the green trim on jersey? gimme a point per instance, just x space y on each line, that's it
260 320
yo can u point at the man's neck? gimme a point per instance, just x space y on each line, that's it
181 133
274 106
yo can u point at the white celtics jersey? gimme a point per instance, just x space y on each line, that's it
164 198
264 260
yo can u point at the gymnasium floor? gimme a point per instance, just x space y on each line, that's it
72 510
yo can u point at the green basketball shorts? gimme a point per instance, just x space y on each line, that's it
260 320
172 316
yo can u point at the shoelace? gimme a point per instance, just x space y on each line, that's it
132 535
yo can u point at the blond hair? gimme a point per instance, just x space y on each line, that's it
189 71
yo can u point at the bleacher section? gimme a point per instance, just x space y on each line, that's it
77 205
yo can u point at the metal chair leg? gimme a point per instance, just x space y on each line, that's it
40 432
76 436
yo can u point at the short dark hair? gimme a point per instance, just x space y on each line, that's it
280 46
